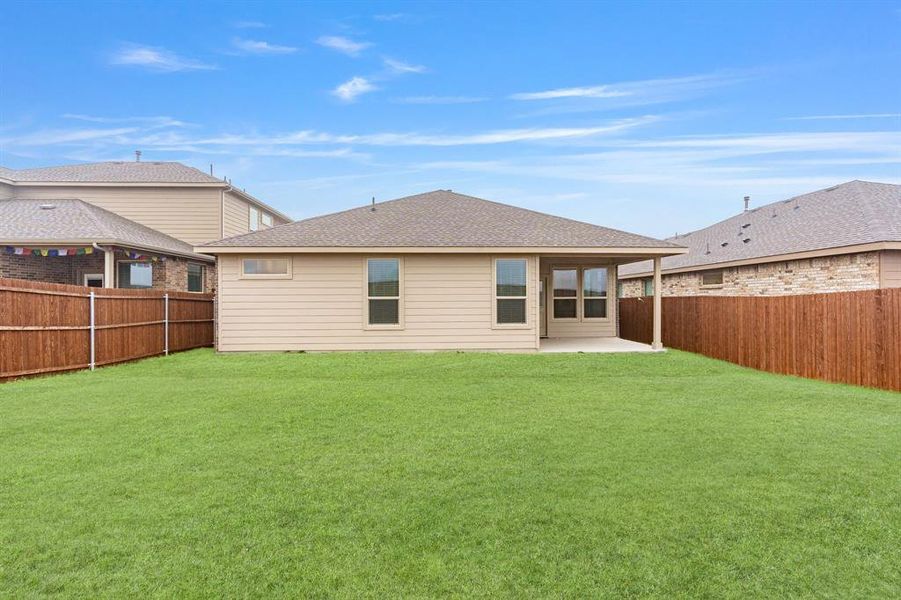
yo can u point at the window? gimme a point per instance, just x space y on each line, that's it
195 277
647 286
566 292
383 291
712 278
510 295
594 293
266 268
254 216
266 219
135 275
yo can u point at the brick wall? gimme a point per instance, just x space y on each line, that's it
842 273
171 274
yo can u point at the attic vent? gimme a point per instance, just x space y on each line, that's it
746 240
48 206
746 225
724 244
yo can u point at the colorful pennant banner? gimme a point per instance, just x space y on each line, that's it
28 251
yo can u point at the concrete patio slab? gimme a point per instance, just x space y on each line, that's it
599 344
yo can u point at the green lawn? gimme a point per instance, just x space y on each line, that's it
447 475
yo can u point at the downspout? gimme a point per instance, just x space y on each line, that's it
108 265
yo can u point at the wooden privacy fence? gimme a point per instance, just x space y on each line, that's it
848 337
46 327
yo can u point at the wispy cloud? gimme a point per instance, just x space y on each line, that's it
259 47
629 93
845 117
439 100
343 44
249 25
398 67
354 87
156 59
390 17
152 121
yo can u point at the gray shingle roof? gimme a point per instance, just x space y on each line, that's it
857 212
440 219
112 172
74 220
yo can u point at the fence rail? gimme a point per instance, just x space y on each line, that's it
48 327
848 337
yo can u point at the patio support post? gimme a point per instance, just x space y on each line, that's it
93 328
109 268
657 344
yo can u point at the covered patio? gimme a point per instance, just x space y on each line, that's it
577 304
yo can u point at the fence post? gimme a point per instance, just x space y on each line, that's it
166 324
92 329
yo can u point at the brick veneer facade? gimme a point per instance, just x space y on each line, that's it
171 274
841 273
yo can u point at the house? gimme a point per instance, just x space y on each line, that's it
842 238
120 224
435 271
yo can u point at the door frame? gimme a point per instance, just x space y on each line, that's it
542 307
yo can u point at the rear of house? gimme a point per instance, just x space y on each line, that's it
436 271
843 238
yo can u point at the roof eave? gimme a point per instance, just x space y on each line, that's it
638 252
260 203
205 184
834 251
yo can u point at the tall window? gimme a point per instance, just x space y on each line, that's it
510 287
195 277
647 286
135 275
594 293
383 291
254 216
566 293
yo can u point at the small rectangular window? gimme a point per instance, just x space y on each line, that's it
510 291
647 286
712 278
383 291
135 275
266 219
594 293
195 277
254 218
566 292
266 267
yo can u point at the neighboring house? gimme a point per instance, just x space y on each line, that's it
435 271
843 238
181 205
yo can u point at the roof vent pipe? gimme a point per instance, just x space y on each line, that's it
373 204
137 156
747 203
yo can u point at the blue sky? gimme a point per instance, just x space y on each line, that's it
650 117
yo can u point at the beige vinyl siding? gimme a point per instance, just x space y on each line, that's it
581 328
190 214
446 304
235 216
6 191
890 269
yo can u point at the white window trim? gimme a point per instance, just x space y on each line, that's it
243 275
494 297
88 276
202 278
367 326
263 216
582 298
580 294
250 221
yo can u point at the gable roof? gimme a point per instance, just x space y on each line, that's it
112 172
24 221
850 214
439 219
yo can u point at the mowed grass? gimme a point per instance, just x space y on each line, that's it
422 475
